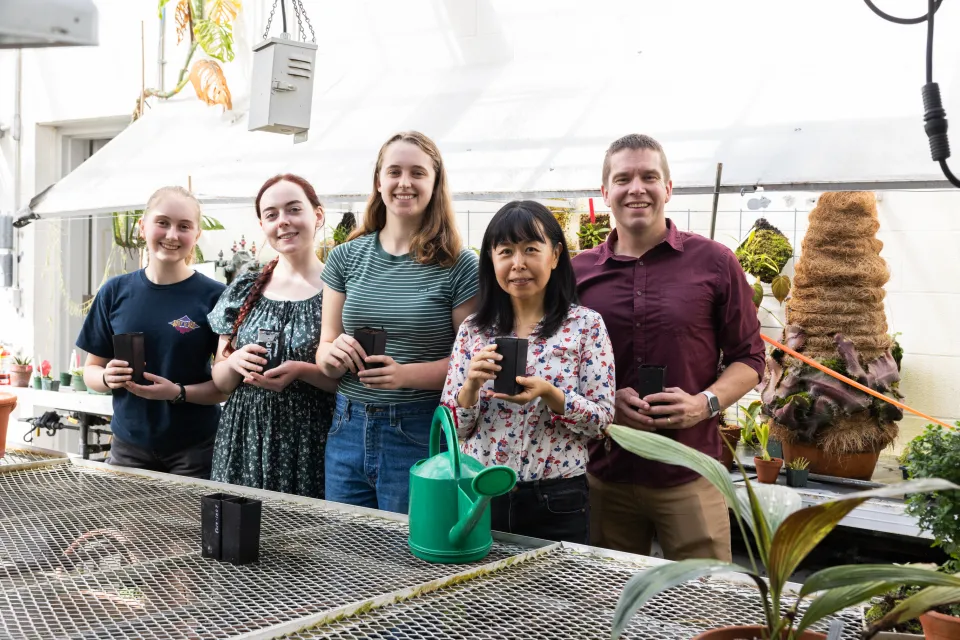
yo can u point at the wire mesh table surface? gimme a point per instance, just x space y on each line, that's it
15 455
86 553
560 595
89 552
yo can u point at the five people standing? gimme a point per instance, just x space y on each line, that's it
649 295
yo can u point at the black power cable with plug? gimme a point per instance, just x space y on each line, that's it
934 115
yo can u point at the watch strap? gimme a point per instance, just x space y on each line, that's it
713 403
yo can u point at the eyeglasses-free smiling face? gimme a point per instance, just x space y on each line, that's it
636 190
406 179
171 229
523 268
287 218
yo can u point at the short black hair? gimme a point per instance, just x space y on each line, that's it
524 221
635 141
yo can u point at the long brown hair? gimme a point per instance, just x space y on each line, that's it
256 291
438 240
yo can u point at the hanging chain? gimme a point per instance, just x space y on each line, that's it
301 16
270 19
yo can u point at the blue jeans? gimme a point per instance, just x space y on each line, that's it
370 450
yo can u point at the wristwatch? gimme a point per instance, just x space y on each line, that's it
181 397
713 403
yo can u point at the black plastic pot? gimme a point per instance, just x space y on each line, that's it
241 530
903 471
797 477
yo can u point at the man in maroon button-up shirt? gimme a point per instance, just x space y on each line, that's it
673 299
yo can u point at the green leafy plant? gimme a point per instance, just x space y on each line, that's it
763 437
23 361
747 418
592 234
345 228
208 24
935 453
781 535
764 254
798 464
78 371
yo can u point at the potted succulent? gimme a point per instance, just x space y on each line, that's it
76 379
781 535
797 472
768 468
20 371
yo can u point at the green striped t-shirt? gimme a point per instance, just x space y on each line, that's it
412 302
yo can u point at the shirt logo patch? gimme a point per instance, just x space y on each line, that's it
184 325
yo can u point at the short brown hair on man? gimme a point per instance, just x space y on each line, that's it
635 141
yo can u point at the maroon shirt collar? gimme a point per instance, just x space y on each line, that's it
673 238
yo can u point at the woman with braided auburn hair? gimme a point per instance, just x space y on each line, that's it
274 427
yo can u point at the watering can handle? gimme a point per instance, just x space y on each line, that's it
443 421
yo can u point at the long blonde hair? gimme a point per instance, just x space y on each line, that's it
438 240
176 190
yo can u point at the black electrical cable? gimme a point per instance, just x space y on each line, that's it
283 14
890 18
934 115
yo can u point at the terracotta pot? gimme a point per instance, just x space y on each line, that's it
729 435
20 374
939 626
858 466
749 633
768 470
8 402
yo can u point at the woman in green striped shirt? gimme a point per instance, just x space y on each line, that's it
404 271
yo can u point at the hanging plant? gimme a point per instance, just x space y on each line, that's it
209 23
764 254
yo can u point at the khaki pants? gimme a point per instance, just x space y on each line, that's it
690 520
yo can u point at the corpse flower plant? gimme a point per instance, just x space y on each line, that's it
781 535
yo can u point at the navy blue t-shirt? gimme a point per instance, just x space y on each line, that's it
178 345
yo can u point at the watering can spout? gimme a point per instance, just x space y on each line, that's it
488 484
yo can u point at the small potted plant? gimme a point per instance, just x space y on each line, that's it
65 377
76 379
20 371
768 468
797 472
779 534
729 436
47 383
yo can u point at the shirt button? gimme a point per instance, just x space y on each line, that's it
640 263
639 360
638 324
639 293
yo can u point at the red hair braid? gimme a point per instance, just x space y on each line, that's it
253 297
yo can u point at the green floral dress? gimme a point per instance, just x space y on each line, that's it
271 440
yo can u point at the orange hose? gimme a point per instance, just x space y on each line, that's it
852 383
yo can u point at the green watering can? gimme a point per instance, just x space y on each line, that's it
450 499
